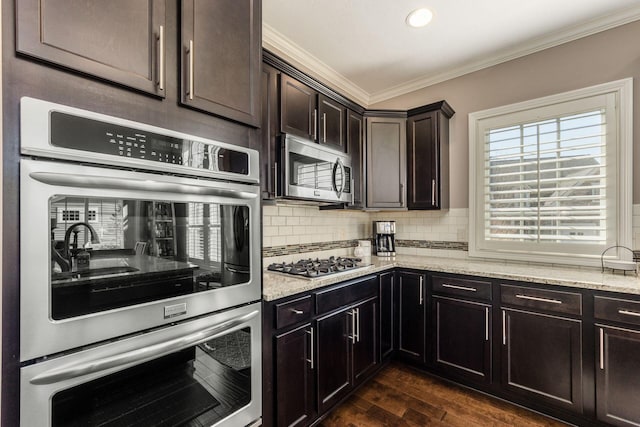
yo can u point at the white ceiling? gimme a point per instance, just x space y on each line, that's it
364 49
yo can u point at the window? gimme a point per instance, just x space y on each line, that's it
550 179
203 241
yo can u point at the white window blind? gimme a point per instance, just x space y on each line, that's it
550 178
547 180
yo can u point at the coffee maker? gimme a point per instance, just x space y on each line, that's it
385 239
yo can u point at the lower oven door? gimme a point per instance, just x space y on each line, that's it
161 249
201 372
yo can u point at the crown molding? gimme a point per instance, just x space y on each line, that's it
576 32
275 41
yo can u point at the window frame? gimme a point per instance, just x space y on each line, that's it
479 247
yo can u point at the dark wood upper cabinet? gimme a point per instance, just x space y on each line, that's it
428 156
355 149
331 125
298 114
221 58
269 129
121 41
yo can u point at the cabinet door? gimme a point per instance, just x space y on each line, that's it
119 40
269 132
411 303
221 58
333 358
617 379
365 344
542 358
332 129
355 148
427 159
294 377
298 115
461 338
387 318
386 162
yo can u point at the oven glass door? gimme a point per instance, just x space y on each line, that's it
198 373
108 253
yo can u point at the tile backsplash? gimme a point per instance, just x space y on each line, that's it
294 231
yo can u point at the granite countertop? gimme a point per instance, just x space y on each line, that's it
275 286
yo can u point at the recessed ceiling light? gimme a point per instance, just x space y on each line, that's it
419 18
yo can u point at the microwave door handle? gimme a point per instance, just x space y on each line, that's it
139 355
335 169
103 182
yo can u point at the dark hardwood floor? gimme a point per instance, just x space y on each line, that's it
402 396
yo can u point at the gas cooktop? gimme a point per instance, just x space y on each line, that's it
315 268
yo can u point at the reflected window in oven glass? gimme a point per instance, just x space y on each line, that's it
197 386
110 253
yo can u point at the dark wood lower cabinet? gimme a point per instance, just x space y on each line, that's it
365 344
411 308
294 377
461 338
618 375
387 314
333 357
542 358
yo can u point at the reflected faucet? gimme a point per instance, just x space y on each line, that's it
64 259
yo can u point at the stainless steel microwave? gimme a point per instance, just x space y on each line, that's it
311 171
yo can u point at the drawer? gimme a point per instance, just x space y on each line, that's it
346 293
617 310
293 312
455 286
542 299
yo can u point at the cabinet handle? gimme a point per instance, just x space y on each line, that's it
433 192
191 53
310 359
324 127
315 124
462 288
601 348
504 327
549 300
352 337
486 323
353 197
358 323
421 289
629 313
401 194
161 58
275 179
297 311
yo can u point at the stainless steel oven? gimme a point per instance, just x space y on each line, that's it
139 254
314 172
201 372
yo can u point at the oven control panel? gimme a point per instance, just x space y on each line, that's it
86 134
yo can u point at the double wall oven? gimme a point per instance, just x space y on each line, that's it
140 274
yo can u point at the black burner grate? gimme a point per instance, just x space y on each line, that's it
316 267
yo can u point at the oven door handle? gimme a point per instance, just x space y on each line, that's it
104 182
139 355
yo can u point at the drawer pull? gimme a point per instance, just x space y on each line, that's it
629 313
549 300
461 288
297 311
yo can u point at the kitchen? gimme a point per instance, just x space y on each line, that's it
292 231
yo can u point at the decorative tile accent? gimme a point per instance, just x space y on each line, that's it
273 251
433 244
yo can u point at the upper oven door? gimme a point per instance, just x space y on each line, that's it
108 252
315 172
